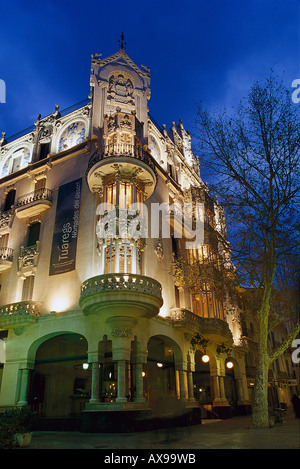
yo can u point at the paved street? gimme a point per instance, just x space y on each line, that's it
234 433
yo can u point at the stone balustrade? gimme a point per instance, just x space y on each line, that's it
213 327
114 291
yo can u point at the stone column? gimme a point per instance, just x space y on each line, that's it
139 380
215 382
24 387
181 373
121 350
190 386
222 387
95 383
121 393
191 368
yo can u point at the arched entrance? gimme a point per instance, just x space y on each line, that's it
230 384
162 387
61 379
202 382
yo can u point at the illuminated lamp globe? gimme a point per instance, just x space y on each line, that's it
229 365
205 358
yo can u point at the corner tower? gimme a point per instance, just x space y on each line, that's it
122 174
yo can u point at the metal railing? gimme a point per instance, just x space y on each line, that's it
39 194
121 149
6 254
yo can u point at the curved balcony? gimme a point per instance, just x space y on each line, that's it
131 161
16 315
33 203
210 328
6 258
121 295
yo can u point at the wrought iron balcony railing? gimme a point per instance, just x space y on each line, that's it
37 195
123 149
6 254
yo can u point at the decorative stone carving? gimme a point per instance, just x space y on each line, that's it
159 251
120 89
121 332
125 123
28 260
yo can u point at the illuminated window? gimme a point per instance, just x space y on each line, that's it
125 195
125 258
111 144
125 139
111 194
110 258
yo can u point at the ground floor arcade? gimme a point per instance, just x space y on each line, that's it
75 366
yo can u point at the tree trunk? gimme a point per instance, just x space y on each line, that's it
260 412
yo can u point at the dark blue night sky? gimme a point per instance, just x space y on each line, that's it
205 50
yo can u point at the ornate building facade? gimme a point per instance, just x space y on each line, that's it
109 315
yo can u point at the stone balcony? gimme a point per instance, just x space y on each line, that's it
6 258
128 159
19 315
28 260
6 219
121 295
33 203
210 328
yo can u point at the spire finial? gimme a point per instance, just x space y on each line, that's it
122 43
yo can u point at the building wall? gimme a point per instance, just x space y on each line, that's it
119 90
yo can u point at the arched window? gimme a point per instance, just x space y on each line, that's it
18 160
73 135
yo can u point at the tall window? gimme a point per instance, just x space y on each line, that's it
28 288
33 233
39 187
125 257
111 194
207 304
125 195
119 257
110 258
9 200
44 150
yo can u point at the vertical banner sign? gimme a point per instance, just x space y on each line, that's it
64 243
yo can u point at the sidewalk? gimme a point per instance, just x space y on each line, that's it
234 433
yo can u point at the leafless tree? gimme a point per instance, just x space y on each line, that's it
253 160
